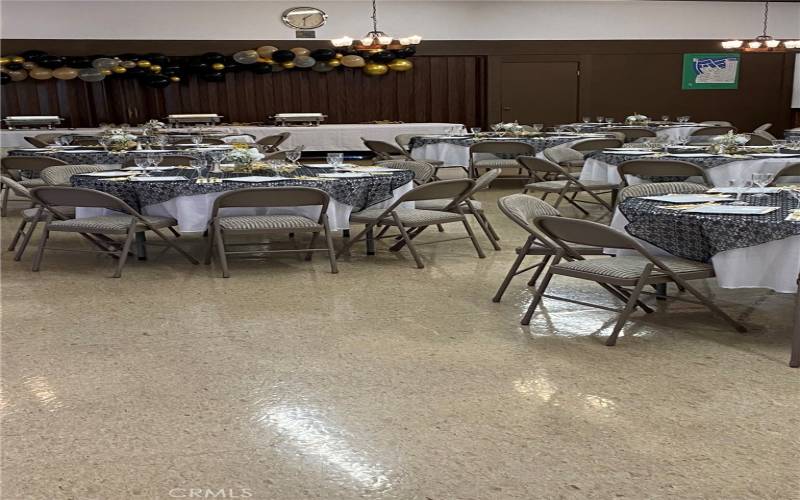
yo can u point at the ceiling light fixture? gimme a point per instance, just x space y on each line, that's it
376 40
763 42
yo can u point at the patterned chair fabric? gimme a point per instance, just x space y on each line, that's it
558 185
267 222
60 175
423 171
660 188
631 267
29 214
410 217
109 224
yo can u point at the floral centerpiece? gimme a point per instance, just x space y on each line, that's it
637 119
729 143
153 127
118 140
243 156
513 128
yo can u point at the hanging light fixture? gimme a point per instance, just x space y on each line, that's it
763 42
376 40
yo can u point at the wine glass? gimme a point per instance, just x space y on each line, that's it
103 142
537 127
160 141
665 118
739 186
198 164
475 130
761 179
586 119
216 156
609 120
601 119
293 155
778 144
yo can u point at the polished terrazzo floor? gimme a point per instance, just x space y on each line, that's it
384 381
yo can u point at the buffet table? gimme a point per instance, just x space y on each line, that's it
333 137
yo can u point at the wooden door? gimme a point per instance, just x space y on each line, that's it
540 92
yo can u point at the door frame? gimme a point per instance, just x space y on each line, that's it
494 80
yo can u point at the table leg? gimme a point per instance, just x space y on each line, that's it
141 247
370 242
794 361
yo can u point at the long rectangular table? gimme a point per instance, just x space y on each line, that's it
332 137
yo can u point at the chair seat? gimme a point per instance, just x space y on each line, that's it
29 214
497 163
267 222
109 224
441 204
408 217
32 182
572 163
539 249
558 185
628 269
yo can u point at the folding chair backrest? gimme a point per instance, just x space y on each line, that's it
792 170
176 161
293 196
273 141
29 163
59 175
78 197
485 180
277 155
560 154
15 186
766 135
404 140
711 131
583 232
534 164
658 189
503 147
758 140
587 145
49 138
763 128
660 168
717 123
634 133
523 209
450 189
423 171
36 142
384 150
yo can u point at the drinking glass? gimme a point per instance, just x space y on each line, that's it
475 130
335 160
601 119
778 144
537 127
740 186
160 141
293 155
198 164
216 156
609 120
761 179
664 118
586 119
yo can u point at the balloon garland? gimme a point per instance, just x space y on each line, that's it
158 71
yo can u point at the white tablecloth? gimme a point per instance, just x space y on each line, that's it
194 212
774 265
334 137
719 176
678 132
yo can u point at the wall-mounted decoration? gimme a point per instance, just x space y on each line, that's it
710 71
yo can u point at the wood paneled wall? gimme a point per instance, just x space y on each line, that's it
451 82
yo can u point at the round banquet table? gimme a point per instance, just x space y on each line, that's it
190 202
454 150
747 251
81 156
720 169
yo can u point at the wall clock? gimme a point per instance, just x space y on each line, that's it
304 18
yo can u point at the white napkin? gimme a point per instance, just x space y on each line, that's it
688 198
160 179
344 174
106 173
731 210
255 178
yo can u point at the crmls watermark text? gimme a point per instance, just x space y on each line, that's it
211 493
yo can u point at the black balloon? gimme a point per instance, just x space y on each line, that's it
261 68
216 76
383 57
136 72
282 56
323 54
51 62
405 52
34 55
79 62
130 57
4 78
172 70
197 67
156 81
347 51
213 57
232 66
156 58
13 66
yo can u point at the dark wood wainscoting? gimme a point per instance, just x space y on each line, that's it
453 81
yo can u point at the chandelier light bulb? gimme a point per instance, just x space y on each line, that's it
414 39
367 40
754 44
772 43
385 40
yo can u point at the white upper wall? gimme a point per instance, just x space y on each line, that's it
434 20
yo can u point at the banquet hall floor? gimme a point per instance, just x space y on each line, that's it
384 381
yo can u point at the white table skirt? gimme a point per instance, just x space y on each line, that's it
194 212
456 154
334 137
774 265
719 176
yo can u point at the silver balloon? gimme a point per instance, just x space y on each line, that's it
246 57
322 67
90 75
304 61
126 64
266 51
104 63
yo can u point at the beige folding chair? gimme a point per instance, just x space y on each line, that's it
222 225
792 170
416 220
470 206
758 140
590 145
270 143
705 134
658 189
14 166
522 209
566 157
129 222
566 185
404 141
634 134
49 138
60 175
35 142
636 270
763 127
652 170
500 149
423 171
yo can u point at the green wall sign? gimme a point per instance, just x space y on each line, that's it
710 71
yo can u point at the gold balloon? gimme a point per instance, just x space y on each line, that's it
174 78
265 60
144 64
400 65
339 55
218 66
29 65
5 60
106 72
353 61
288 65
266 50
374 69
41 74
65 73
334 62
18 59
119 70
128 64
18 76
155 68
300 51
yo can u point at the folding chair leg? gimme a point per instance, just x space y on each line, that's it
794 360
37 260
209 246
537 297
352 241
490 227
141 247
175 246
174 232
511 272
310 254
472 237
331 251
413 233
407 241
576 205
221 257
383 231
4 203
20 232
539 270
482 223
630 305
713 307
440 228
123 254
370 236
